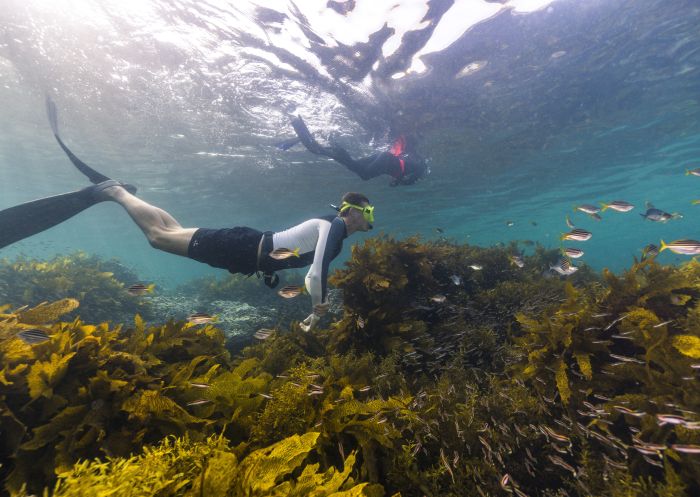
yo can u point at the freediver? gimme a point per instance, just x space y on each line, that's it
404 167
315 242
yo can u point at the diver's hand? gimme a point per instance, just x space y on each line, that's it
321 309
310 322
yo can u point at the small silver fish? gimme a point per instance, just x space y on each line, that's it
517 261
577 234
284 253
200 318
438 299
199 385
574 253
686 449
564 267
617 205
263 333
456 279
291 291
683 247
587 208
650 251
199 402
476 267
569 223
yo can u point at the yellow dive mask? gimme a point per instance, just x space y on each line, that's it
367 211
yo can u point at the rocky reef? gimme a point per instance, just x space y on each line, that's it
448 371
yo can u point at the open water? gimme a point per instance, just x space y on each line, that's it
524 107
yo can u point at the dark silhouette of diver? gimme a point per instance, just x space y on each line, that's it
405 168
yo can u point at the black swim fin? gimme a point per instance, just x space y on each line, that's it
30 218
287 144
24 220
305 136
94 176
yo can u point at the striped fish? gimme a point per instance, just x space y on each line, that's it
617 205
577 234
33 336
650 251
574 253
587 208
683 247
564 267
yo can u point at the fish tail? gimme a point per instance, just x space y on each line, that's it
562 237
151 287
296 252
604 206
687 172
663 246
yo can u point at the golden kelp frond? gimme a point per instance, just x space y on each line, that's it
92 390
98 284
266 468
47 312
688 345
180 467
44 375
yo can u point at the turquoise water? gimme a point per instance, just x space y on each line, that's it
524 108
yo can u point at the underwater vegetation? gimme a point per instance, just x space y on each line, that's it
100 285
438 379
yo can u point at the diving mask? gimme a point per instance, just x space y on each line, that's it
367 210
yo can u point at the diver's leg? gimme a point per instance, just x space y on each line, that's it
161 229
371 166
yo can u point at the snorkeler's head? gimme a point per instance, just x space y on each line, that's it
356 206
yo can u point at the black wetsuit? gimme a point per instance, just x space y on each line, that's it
246 250
405 168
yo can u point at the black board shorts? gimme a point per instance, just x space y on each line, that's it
235 249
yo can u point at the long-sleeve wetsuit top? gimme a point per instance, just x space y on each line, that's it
319 241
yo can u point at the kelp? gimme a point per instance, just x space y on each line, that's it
516 382
91 391
100 285
179 466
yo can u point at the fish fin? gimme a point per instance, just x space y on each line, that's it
151 287
663 246
604 206
687 172
296 252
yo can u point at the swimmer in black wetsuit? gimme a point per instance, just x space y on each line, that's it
239 250
405 168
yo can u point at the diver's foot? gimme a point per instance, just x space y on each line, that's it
110 189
